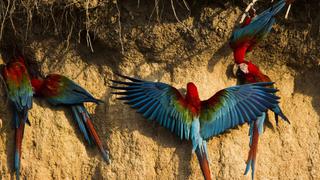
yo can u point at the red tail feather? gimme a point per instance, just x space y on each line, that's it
19 137
96 138
253 150
204 164
17 157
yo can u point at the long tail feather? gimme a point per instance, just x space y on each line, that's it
19 136
93 134
80 123
256 129
253 151
202 155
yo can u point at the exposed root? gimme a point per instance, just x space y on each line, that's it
69 37
6 89
12 9
88 38
175 15
288 10
4 18
155 9
186 5
60 19
120 28
70 21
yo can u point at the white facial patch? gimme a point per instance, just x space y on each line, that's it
244 68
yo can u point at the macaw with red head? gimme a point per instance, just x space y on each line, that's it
254 29
60 90
20 94
249 73
192 119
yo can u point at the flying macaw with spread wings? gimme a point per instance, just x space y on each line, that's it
20 93
249 73
254 29
193 119
59 90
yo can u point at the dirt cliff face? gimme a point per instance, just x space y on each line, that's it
158 48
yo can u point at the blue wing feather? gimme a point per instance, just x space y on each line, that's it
260 25
233 106
71 93
156 101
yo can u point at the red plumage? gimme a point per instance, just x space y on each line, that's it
253 74
48 87
192 99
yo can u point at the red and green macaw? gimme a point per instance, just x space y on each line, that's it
20 94
59 90
253 30
193 119
249 73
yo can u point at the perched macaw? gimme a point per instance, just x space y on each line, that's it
59 90
253 30
20 94
193 119
249 73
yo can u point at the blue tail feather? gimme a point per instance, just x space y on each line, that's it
85 117
78 119
17 164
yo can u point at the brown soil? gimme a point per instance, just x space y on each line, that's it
156 47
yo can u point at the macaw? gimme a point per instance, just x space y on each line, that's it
60 90
189 117
20 94
249 73
253 30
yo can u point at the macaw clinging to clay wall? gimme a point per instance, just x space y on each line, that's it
20 94
254 29
249 73
193 119
59 90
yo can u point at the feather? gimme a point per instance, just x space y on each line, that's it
60 90
156 101
237 99
91 130
190 118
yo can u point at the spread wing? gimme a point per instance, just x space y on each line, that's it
234 106
156 101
